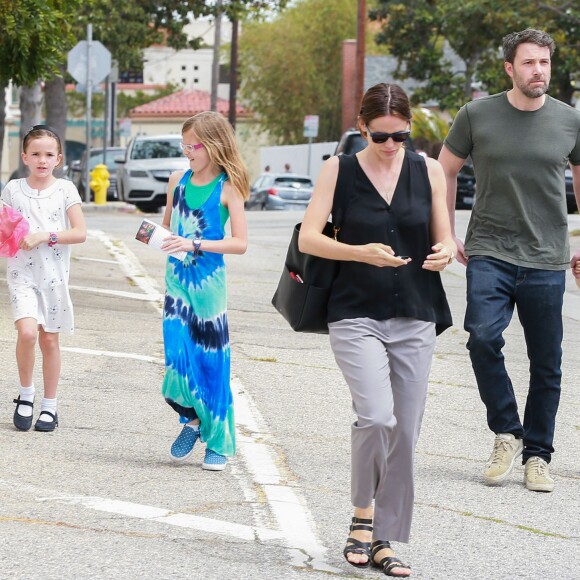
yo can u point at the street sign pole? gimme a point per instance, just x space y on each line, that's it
89 86
88 62
310 130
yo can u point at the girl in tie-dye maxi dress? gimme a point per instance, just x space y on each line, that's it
195 325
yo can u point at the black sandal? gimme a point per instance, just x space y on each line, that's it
21 422
46 426
354 546
389 562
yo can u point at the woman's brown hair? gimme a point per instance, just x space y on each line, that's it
384 99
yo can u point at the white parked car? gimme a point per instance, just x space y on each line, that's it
144 171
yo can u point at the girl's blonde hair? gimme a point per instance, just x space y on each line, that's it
217 136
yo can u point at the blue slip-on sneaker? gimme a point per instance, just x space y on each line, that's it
214 461
183 446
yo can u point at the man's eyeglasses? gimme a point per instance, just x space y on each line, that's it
398 137
190 148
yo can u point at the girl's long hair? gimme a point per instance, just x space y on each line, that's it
217 136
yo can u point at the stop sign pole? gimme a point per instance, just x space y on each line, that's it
89 101
89 62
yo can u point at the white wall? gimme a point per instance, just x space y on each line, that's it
188 68
297 157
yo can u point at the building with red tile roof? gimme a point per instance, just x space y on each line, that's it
181 105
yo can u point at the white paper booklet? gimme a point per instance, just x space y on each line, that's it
153 235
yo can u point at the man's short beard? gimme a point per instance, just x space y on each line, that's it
534 93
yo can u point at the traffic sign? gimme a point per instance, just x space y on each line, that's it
100 62
311 126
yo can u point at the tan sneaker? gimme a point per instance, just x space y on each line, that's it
537 475
506 449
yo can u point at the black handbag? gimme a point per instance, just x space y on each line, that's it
306 281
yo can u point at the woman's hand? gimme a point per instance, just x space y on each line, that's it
173 243
442 255
380 255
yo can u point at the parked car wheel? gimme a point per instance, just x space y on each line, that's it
149 207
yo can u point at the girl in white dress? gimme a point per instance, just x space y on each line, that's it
38 275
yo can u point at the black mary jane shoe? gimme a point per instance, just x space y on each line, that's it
20 422
46 426
354 546
388 563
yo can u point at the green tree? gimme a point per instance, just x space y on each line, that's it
423 34
34 35
291 67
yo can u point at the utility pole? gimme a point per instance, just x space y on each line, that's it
360 51
216 55
233 72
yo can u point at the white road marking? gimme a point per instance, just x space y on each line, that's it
130 264
119 293
286 503
164 516
112 354
85 259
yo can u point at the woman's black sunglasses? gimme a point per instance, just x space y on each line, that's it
398 137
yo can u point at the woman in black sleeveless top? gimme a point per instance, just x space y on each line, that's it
386 307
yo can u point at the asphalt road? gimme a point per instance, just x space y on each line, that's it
100 498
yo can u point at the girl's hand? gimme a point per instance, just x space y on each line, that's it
173 243
439 259
381 255
31 241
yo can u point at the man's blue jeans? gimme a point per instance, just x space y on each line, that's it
493 288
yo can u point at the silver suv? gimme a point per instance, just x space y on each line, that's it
143 173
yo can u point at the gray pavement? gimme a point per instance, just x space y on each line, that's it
100 499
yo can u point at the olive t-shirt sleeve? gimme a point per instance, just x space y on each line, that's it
575 154
458 140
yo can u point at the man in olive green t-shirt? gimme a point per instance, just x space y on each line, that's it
516 248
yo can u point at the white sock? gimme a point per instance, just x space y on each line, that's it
26 394
47 405
194 426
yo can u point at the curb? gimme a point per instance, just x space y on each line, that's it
109 207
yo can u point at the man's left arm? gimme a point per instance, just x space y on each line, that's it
575 261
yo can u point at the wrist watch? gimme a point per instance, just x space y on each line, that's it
196 245
52 239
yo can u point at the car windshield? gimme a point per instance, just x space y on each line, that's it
157 149
290 180
97 159
355 144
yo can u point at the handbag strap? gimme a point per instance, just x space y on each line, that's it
343 190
